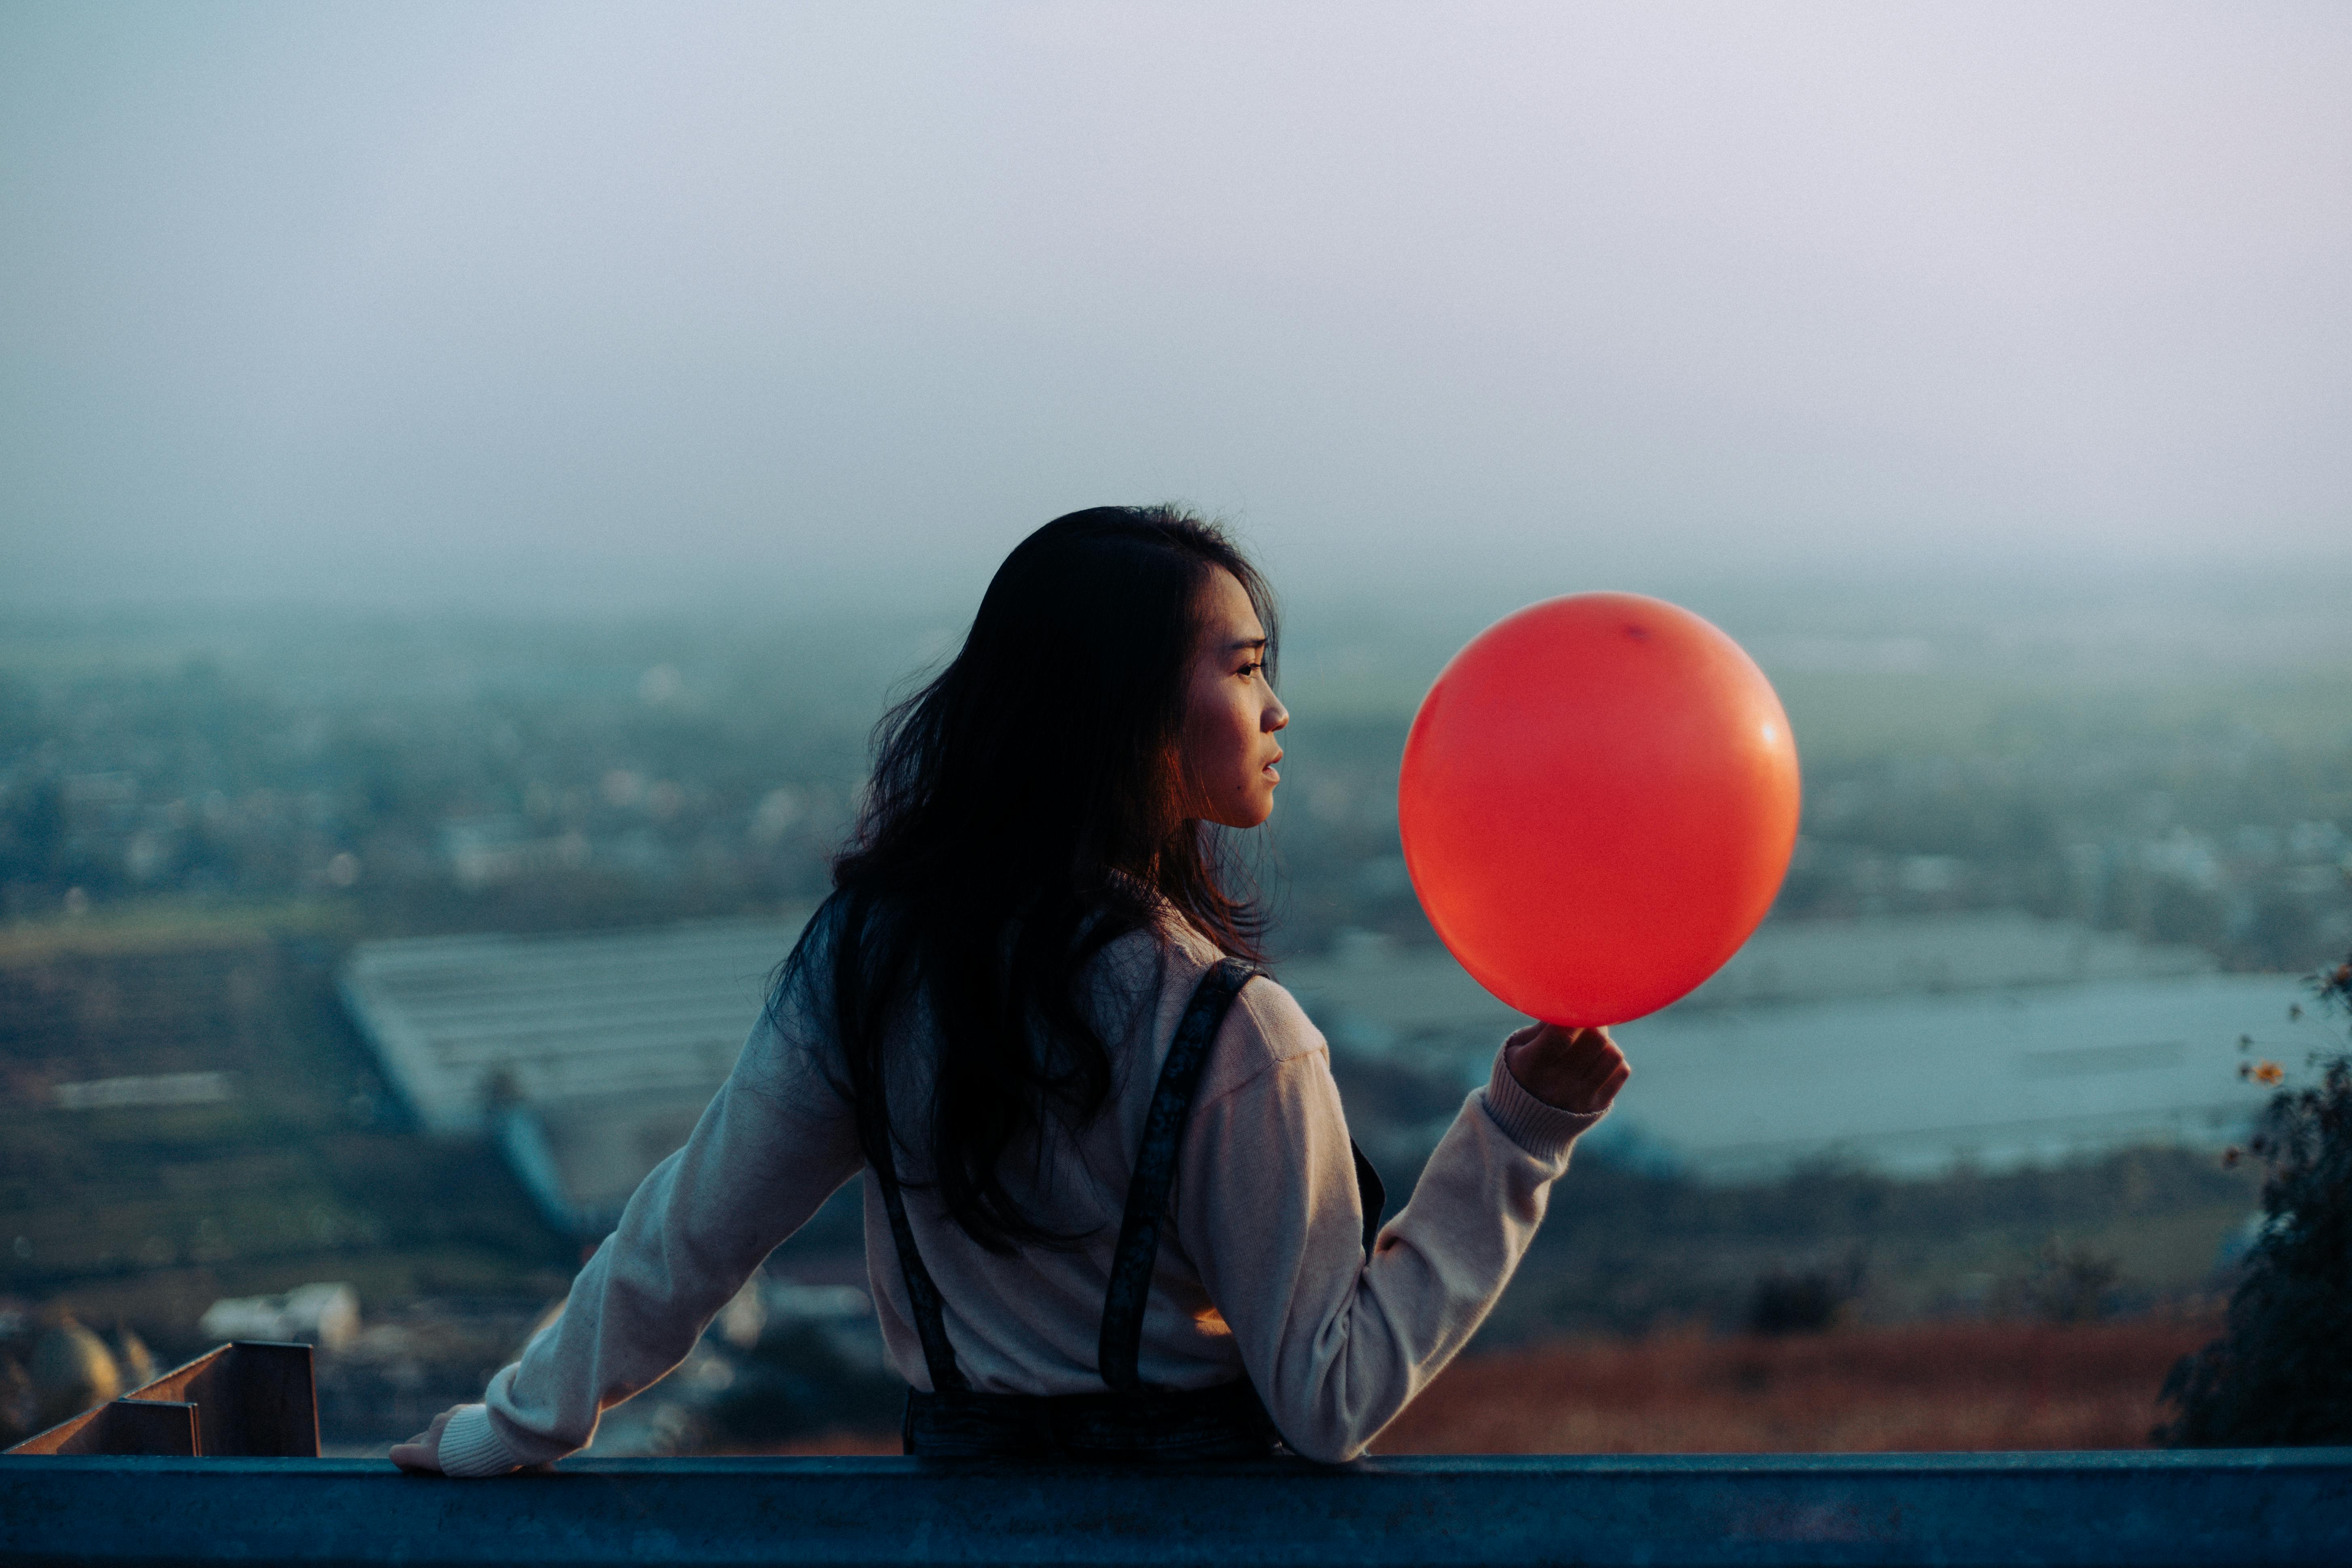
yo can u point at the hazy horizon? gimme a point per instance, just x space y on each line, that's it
537 307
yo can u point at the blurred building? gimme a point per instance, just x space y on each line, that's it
587 1056
326 1315
485 851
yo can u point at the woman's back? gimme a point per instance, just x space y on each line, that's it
1029 1321
1261 1272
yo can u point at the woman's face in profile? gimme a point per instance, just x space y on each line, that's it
1230 714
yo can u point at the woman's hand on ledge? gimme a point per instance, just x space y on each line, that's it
421 1453
1571 1070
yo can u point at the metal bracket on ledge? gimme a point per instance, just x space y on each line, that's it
248 1399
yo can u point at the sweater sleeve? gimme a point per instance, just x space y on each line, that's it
775 1142
1336 1343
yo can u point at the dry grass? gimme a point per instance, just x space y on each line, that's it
1925 1388
1919 1388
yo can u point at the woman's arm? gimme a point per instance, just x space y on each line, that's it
1336 1343
776 1142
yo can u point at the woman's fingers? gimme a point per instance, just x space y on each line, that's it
1599 1069
1603 1091
421 1453
1575 1069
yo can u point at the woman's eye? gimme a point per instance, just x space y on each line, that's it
1248 671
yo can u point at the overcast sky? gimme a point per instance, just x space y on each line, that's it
545 305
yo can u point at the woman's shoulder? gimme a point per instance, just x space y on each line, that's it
1266 1027
1274 1021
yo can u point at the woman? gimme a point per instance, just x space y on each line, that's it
1111 1206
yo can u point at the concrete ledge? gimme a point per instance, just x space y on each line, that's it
2254 1506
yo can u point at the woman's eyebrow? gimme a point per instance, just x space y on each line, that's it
1240 643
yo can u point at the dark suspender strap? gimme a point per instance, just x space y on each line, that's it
1155 1172
1371 1193
1138 1252
922 1296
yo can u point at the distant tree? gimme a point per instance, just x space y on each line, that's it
1807 1301
2067 1282
2281 1374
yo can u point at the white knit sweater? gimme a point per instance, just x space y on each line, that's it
1263 1273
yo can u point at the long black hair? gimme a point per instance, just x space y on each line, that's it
1025 811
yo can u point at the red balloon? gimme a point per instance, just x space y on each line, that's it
1598 803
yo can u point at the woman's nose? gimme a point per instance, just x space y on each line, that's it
1276 716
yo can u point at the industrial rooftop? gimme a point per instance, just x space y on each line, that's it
588 1057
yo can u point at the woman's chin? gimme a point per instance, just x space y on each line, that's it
1252 815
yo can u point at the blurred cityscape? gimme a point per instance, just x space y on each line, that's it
218 840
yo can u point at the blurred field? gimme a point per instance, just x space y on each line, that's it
305 1168
1919 1388
1934 1387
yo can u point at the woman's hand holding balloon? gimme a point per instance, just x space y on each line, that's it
1570 1069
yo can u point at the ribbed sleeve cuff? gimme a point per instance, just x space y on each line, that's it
470 1445
1544 1130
